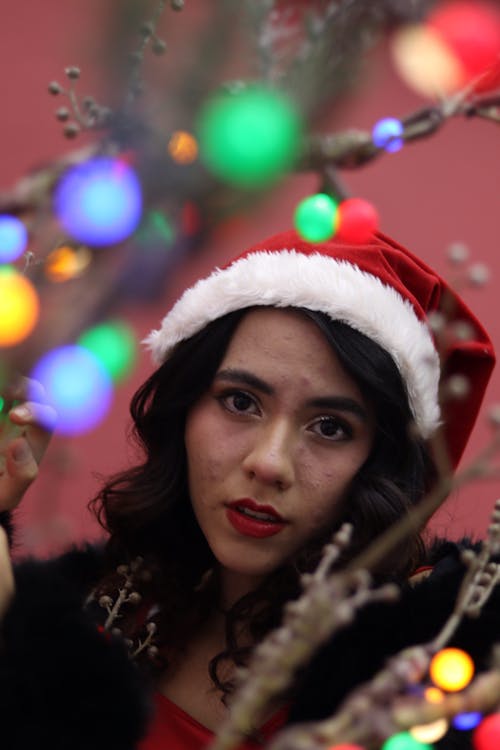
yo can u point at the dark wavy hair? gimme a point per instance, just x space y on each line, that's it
147 511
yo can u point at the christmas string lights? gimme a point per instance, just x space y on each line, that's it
458 45
13 238
19 306
114 345
99 202
315 217
249 135
387 134
319 217
451 669
76 385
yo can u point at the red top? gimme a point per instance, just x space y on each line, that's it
174 729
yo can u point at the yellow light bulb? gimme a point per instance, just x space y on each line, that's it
425 62
19 307
451 669
430 732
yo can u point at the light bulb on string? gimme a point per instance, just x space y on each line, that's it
113 344
451 669
182 147
249 135
76 386
386 134
19 306
13 238
486 736
432 732
66 262
404 741
315 217
471 31
156 230
191 220
433 694
358 219
466 721
457 45
99 202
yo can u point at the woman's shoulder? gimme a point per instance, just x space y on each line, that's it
73 573
380 630
61 676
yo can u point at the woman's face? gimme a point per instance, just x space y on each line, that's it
274 444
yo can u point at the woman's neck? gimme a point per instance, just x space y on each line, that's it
233 586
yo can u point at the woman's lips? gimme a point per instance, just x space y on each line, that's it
251 519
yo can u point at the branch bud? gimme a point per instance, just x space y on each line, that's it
146 29
73 73
159 47
62 114
437 321
71 130
458 253
457 386
463 331
55 88
494 416
479 274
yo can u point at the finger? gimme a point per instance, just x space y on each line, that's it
7 586
23 389
21 468
36 414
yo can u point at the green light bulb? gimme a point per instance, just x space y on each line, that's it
249 136
315 217
114 346
404 741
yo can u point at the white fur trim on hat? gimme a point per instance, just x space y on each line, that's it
317 282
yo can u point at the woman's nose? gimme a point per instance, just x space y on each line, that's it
269 459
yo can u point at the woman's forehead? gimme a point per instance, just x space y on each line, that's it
285 346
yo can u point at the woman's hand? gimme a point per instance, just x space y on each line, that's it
7 587
24 436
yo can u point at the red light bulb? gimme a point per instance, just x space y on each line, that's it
358 220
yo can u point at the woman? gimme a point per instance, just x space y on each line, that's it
297 388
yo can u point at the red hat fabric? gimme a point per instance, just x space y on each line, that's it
379 288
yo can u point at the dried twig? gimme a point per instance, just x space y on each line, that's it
354 148
385 705
328 603
481 578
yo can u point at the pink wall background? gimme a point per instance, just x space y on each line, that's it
430 194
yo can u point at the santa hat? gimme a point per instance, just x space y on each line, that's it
379 288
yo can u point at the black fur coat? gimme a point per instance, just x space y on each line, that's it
65 686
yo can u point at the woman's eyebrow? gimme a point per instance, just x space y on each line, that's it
341 403
337 403
243 377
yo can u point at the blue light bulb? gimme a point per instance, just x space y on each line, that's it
13 238
386 132
467 721
99 202
76 386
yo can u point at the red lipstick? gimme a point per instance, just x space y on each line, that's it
251 519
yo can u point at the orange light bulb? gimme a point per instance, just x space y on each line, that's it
183 147
451 669
19 307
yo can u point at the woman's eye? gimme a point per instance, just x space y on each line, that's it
239 402
332 428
